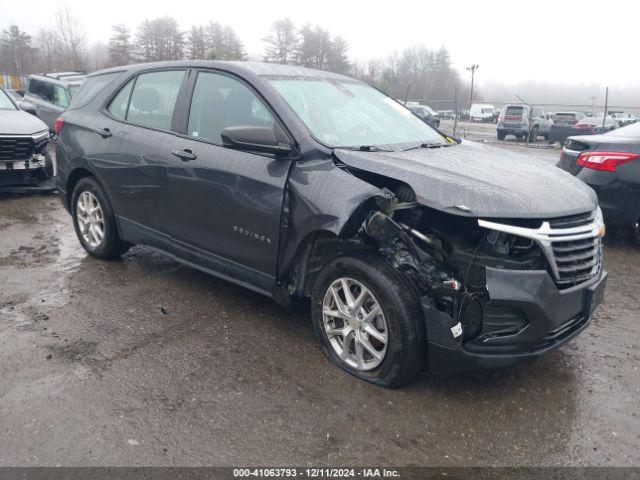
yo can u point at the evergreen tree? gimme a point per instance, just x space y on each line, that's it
16 52
119 48
281 42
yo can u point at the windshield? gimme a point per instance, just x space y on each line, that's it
5 101
630 131
343 113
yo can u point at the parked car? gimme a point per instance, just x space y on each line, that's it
23 139
523 121
567 118
414 248
50 94
593 125
446 114
426 114
481 112
610 164
562 126
622 118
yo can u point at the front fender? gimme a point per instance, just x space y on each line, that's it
322 197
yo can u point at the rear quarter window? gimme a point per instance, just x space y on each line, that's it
91 87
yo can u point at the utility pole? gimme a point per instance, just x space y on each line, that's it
472 69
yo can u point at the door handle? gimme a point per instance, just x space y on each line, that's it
185 155
104 132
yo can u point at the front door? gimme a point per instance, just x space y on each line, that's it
226 204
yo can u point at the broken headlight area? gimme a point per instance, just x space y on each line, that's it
446 257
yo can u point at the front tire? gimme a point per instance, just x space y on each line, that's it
368 319
94 221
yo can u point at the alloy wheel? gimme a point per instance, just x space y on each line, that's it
355 324
90 219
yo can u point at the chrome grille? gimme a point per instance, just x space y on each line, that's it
572 245
16 148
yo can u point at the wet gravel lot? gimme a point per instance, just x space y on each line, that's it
147 362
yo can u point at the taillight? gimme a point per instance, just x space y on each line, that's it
604 161
57 126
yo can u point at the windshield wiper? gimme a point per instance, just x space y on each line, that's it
368 148
426 145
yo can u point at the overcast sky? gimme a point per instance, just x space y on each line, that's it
559 41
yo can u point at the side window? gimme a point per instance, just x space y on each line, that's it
220 101
118 106
154 98
60 96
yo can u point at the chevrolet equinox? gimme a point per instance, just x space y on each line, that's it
417 250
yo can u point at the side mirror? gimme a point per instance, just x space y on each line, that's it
253 139
27 107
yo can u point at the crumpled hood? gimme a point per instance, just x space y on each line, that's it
18 122
489 181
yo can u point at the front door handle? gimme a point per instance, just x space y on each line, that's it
185 155
104 132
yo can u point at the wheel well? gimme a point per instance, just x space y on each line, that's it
74 177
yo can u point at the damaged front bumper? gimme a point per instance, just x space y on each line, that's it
526 316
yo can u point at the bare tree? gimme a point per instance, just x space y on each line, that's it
71 39
281 42
48 50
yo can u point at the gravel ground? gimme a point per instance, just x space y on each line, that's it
147 362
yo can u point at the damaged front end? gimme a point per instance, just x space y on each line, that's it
493 291
25 164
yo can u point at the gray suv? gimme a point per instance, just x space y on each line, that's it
523 121
50 94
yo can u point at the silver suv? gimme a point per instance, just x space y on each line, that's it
50 94
522 121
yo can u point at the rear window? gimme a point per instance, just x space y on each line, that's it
514 111
564 117
90 88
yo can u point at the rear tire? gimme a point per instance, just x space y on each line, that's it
533 135
95 224
400 310
501 135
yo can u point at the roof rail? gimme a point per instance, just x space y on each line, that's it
61 75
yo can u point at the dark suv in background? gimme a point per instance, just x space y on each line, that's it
415 248
50 94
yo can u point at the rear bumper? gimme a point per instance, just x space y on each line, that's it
619 201
548 317
513 130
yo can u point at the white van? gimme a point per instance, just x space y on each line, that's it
482 112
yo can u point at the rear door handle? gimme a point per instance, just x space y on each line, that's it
104 132
185 155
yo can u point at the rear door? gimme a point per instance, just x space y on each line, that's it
226 204
133 143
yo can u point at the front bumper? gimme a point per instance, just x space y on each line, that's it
22 172
541 318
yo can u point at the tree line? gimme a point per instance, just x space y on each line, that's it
417 72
